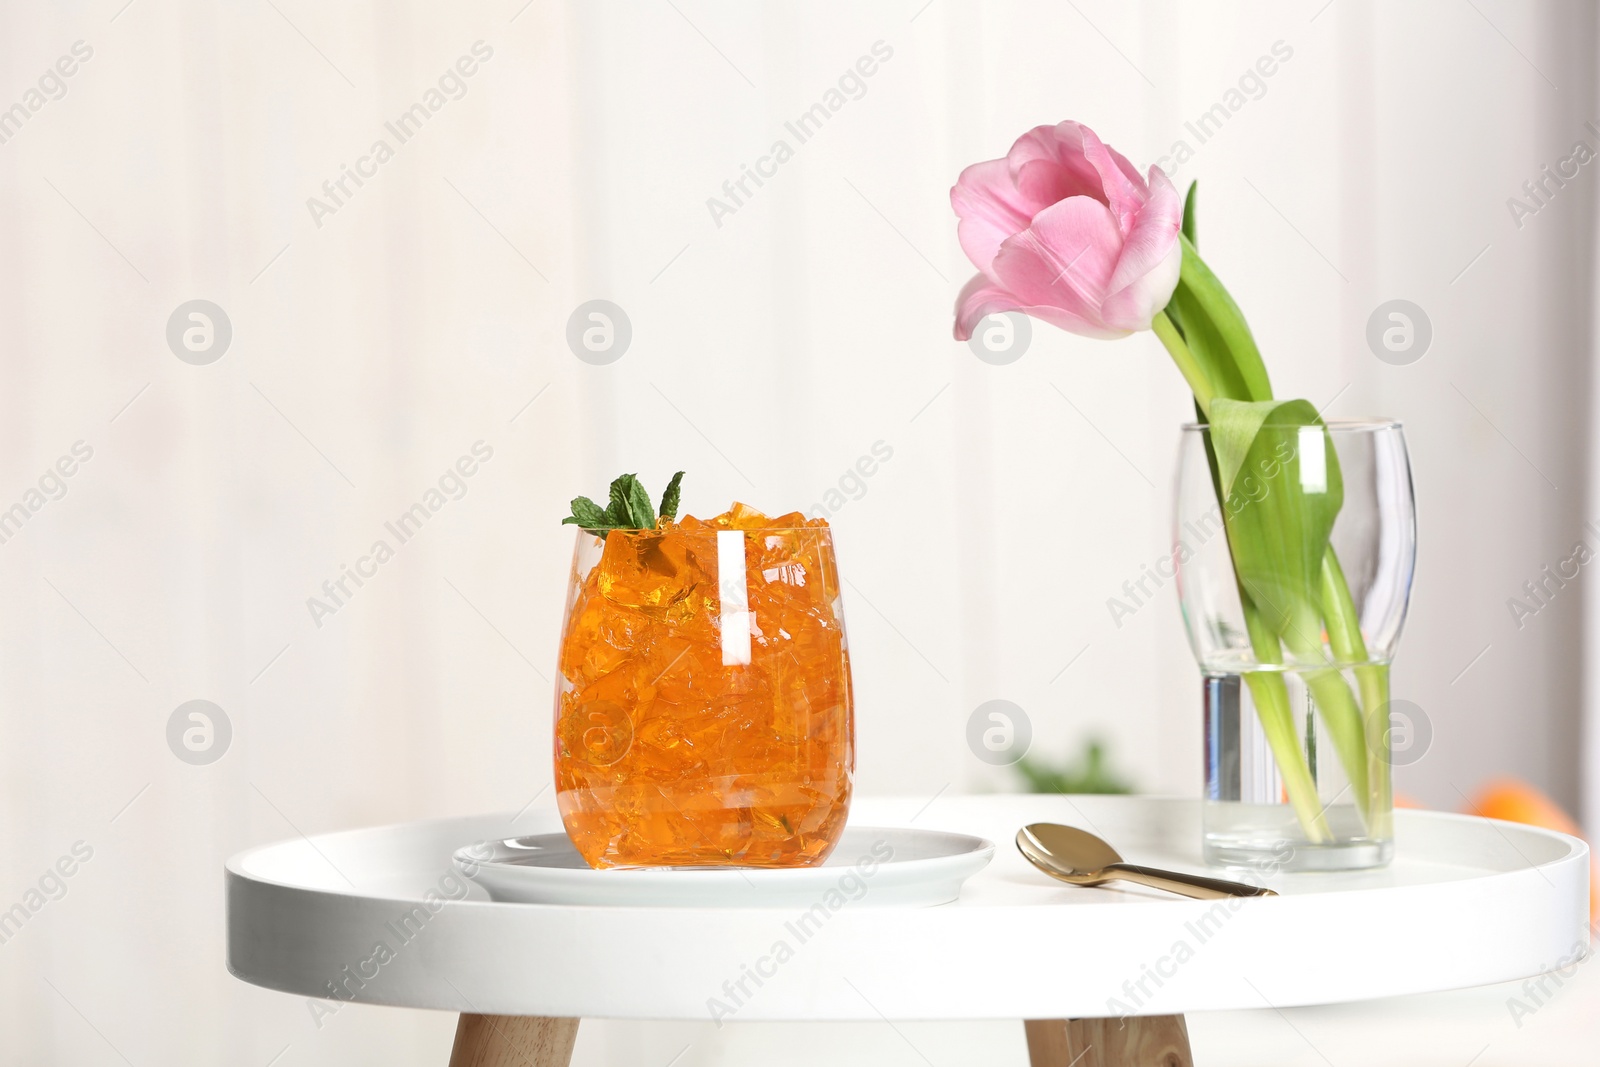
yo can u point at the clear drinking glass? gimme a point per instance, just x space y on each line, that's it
1297 745
703 707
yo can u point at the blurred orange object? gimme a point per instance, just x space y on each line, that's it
1403 801
1517 801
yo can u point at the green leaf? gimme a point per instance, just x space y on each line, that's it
1216 332
641 511
1089 774
1188 213
1281 491
630 505
617 513
1174 310
669 499
587 513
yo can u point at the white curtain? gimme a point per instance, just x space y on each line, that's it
781 331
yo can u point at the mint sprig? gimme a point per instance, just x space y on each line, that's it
588 514
629 507
669 499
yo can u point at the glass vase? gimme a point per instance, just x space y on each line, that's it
703 714
1294 637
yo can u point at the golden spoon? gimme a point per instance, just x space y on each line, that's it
1080 858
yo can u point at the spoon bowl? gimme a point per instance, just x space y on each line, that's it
1078 857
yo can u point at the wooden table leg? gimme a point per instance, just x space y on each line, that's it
1136 1041
513 1041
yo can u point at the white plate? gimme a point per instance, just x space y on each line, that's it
871 867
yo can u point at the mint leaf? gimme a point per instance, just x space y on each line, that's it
617 513
640 509
587 513
669 499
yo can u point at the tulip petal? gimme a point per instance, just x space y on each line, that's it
989 209
1147 270
1072 324
1064 260
1135 306
1047 164
1125 192
981 297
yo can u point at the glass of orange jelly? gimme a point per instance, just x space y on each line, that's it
703 709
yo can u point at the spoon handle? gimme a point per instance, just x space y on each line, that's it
1189 885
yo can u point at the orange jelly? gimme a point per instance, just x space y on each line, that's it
703 713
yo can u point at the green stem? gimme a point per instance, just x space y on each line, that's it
1374 681
1271 696
1188 366
1342 715
1339 612
1344 634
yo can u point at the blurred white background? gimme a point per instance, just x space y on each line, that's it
772 347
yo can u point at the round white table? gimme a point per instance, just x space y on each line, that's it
1101 975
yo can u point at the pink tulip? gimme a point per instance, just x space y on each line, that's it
1065 230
